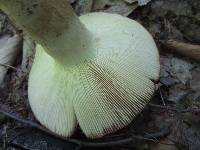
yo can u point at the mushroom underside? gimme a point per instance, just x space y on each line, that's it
104 93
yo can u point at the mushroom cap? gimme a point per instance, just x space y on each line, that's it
104 93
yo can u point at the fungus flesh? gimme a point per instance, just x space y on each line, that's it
97 73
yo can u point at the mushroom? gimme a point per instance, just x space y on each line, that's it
96 71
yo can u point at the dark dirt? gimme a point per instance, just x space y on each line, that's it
179 88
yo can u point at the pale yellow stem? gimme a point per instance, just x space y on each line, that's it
54 25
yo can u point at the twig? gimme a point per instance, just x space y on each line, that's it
8 66
32 124
17 146
126 140
175 109
189 50
161 96
147 137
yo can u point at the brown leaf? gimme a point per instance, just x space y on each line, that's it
28 52
9 49
164 144
115 6
181 69
143 2
71 1
130 1
83 6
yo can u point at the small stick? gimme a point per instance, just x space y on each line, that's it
161 96
17 146
148 137
175 109
8 66
189 50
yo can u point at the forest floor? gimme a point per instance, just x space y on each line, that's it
171 121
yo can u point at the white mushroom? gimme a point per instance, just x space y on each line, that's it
96 70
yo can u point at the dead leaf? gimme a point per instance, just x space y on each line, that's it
9 49
2 22
140 2
164 144
177 93
130 1
83 6
195 82
165 72
181 69
122 7
99 4
71 1
143 2
114 6
28 52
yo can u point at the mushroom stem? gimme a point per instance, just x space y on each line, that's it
54 25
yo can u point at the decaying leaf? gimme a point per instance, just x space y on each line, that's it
123 7
195 82
130 1
115 6
28 51
143 2
71 1
99 4
9 49
166 77
169 145
181 69
177 93
2 22
83 6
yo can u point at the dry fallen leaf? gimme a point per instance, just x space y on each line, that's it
83 6
177 93
143 2
9 49
168 145
114 6
99 4
71 1
130 1
195 83
123 7
181 69
28 52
